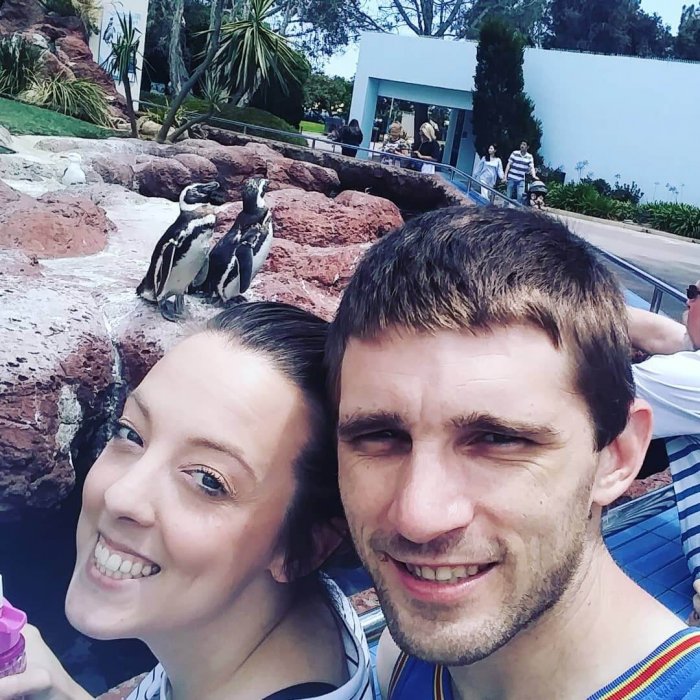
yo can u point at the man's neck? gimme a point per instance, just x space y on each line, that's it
602 626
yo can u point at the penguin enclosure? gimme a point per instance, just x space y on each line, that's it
83 227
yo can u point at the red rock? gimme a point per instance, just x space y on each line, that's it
80 60
201 168
17 15
313 219
56 225
161 177
281 287
116 170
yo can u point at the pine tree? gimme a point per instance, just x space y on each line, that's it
688 39
503 113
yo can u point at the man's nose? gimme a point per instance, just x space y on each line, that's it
429 498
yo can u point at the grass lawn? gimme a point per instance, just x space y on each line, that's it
21 118
312 127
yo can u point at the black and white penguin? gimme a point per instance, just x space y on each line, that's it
249 256
180 257
255 211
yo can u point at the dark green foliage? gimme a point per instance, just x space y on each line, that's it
584 198
688 39
334 95
19 62
503 114
289 106
604 26
620 192
247 115
548 174
79 98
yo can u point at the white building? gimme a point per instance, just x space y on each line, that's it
639 118
108 23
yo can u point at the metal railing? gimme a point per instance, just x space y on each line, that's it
463 181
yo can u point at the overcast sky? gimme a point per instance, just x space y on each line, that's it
670 10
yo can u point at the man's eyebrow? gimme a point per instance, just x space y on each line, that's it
360 422
485 422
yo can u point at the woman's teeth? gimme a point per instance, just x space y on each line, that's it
443 574
118 566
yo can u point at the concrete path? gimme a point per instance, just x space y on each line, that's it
673 260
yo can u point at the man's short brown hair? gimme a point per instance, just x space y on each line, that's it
474 269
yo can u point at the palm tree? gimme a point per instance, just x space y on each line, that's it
251 53
121 62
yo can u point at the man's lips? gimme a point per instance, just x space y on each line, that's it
442 572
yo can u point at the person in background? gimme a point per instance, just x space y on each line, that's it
520 165
670 382
205 520
349 135
429 148
479 364
395 144
489 172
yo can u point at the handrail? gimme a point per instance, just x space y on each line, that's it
443 168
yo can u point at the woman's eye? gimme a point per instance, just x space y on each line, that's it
122 431
209 483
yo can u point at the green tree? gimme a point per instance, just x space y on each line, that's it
688 39
602 26
121 62
503 114
252 54
287 105
333 95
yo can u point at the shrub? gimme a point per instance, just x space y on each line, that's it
548 174
627 193
19 63
248 115
79 98
681 219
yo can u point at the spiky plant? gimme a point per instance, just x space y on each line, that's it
19 62
121 62
78 98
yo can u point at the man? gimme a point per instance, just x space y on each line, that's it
520 164
670 382
486 416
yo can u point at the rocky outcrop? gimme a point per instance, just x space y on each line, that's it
66 52
58 224
73 334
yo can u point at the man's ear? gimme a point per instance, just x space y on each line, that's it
326 539
620 462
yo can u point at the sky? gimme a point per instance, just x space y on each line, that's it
344 63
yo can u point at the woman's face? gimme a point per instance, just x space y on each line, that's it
183 510
492 151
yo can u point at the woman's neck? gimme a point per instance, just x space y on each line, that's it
204 661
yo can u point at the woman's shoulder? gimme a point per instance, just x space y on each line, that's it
152 686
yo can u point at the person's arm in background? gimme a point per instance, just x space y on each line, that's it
510 160
500 170
656 334
533 172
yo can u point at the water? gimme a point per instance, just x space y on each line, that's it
36 559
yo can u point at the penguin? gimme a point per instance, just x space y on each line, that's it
180 257
253 213
74 174
249 256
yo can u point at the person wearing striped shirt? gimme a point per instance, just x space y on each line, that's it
670 382
486 416
520 165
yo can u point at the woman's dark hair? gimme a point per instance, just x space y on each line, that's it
354 122
294 340
495 150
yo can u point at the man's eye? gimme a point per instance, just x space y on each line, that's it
500 439
125 432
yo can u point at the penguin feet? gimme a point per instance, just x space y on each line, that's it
234 301
172 310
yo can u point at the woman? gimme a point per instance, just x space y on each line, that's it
349 134
429 149
489 172
205 519
395 144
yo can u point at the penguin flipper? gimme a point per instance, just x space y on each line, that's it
201 277
164 267
244 254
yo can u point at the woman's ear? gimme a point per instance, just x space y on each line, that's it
326 539
620 461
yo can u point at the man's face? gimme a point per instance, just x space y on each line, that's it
692 319
466 468
523 148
